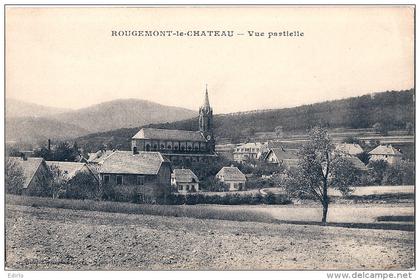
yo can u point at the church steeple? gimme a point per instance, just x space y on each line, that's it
206 99
205 120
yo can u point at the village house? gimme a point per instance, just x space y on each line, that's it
135 169
180 145
248 151
386 153
71 169
288 157
232 177
349 149
36 173
185 181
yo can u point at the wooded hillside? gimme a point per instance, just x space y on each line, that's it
393 109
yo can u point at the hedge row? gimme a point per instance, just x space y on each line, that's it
228 199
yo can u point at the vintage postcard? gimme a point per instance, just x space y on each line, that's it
261 137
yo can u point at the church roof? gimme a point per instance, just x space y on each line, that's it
125 162
169 134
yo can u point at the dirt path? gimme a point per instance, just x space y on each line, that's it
47 238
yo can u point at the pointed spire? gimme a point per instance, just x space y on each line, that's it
206 99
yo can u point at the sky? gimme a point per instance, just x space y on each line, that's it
66 57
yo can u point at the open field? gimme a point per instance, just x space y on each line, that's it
50 238
397 216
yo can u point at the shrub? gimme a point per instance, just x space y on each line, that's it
14 178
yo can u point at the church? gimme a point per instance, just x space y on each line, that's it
180 145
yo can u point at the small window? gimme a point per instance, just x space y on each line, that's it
169 147
180 188
162 147
155 147
106 179
147 147
119 179
140 180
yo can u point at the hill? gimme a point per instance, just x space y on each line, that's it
123 113
392 108
18 109
29 123
32 130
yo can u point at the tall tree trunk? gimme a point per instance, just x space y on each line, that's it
325 202
324 213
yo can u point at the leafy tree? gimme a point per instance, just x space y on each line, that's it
82 186
14 177
409 128
211 184
380 128
319 170
351 140
43 152
58 182
377 171
64 152
401 173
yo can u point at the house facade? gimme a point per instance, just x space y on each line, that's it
180 145
232 177
248 151
386 153
185 181
135 169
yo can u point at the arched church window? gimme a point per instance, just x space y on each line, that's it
147 147
169 147
154 147
162 147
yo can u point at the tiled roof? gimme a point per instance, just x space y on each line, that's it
169 134
231 174
357 163
125 162
185 176
284 154
99 156
69 169
385 150
29 167
351 149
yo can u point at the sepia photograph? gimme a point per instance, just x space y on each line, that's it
210 138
